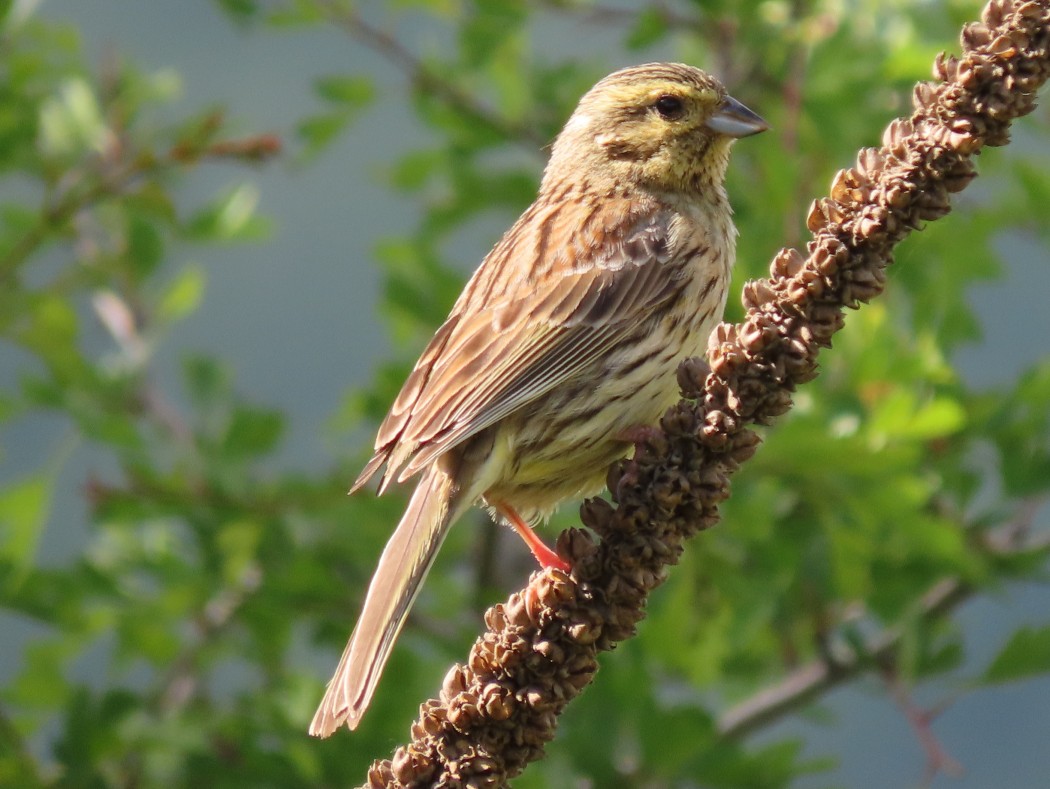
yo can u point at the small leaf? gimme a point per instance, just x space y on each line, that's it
240 10
1034 181
145 245
318 131
297 14
415 169
239 542
51 332
9 406
117 429
42 682
152 200
902 414
17 219
232 217
71 122
352 91
649 29
1026 655
253 432
23 511
492 28
207 381
183 295
147 634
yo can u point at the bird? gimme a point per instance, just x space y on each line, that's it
564 342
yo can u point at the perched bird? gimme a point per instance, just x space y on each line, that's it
565 341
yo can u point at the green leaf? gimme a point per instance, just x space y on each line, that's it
902 415
318 131
145 245
253 432
649 28
240 10
183 294
147 634
239 543
1026 655
71 122
415 169
1033 181
51 332
492 28
354 92
1020 426
42 682
17 220
207 381
23 513
117 428
152 200
349 95
9 406
231 217
296 14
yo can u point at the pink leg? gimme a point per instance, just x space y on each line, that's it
544 555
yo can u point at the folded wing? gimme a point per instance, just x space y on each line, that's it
508 340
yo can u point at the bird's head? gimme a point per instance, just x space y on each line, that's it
663 126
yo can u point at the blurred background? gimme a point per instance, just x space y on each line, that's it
229 228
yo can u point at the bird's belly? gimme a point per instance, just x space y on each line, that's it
562 445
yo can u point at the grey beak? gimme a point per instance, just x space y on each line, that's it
733 119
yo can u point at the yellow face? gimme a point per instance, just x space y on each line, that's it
649 125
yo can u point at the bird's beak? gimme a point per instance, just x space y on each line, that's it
733 119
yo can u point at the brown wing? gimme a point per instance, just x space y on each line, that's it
520 330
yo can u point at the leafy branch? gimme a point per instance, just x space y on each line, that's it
847 661
115 172
422 78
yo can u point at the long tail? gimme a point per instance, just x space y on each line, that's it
402 567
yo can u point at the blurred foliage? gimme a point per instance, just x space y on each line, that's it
212 583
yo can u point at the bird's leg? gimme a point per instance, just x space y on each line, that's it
544 555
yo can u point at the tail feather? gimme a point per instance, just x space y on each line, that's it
378 459
404 564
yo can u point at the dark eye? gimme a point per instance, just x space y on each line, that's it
670 107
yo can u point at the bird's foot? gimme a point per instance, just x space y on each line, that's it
544 554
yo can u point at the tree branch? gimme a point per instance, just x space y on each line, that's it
811 681
100 178
423 79
814 679
495 714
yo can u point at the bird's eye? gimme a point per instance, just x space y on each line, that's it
670 107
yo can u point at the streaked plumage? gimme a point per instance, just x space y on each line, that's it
565 338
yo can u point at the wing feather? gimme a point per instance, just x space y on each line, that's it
511 339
